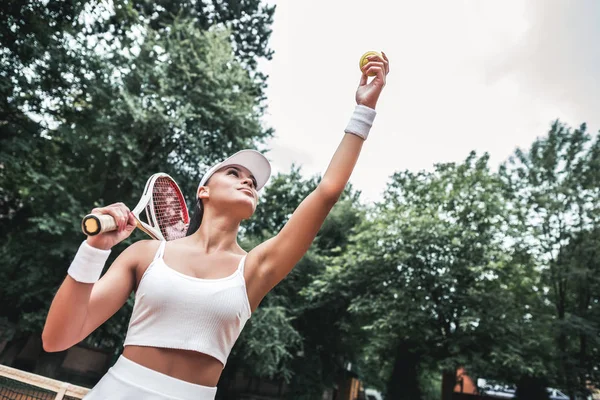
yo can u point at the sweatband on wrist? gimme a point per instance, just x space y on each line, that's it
88 263
361 121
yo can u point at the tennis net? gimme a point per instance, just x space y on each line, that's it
20 385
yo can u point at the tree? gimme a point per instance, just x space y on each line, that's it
97 97
580 259
424 271
556 186
249 22
521 350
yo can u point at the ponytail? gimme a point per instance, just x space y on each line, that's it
196 218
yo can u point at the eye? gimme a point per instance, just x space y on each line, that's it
233 172
254 183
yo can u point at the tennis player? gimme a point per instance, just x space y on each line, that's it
194 295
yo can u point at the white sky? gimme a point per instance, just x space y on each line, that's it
488 76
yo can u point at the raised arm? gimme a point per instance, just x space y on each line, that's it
276 257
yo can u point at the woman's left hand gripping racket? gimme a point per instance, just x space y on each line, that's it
166 213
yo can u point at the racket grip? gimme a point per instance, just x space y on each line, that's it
94 224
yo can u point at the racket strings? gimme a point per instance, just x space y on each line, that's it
169 209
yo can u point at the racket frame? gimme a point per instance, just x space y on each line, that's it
146 205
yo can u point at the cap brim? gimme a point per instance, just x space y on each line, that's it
252 160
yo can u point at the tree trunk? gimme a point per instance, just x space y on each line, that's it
448 383
567 370
529 388
562 343
404 381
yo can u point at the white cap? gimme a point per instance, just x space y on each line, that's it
252 160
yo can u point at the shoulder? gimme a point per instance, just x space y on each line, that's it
139 256
143 246
141 252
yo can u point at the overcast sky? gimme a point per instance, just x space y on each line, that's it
476 75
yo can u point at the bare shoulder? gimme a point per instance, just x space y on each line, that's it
141 250
140 254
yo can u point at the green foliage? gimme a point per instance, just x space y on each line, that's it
425 267
97 97
321 325
446 263
431 384
271 342
555 197
462 265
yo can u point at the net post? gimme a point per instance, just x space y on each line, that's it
62 391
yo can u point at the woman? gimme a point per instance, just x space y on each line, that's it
194 295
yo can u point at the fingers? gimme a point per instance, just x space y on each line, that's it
374 68
378 67
386 61
131 222
383 59
380 73
118 215
375 64
119 211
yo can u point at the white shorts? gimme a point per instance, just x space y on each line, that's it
127 380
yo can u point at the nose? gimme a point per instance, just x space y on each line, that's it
247 181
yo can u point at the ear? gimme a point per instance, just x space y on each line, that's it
202 192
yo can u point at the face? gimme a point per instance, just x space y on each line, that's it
232 186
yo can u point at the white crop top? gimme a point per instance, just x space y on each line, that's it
177 311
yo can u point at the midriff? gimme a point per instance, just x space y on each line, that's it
186 365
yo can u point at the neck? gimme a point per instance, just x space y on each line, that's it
217 232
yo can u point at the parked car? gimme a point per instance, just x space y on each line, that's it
556 394
508 392
373 394
499 391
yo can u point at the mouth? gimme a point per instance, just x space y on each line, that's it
247 191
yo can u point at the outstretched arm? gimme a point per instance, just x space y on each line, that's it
276 257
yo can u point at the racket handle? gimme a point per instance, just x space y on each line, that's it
93 224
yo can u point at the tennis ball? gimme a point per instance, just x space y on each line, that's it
364 60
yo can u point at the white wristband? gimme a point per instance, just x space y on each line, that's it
361 121
88 263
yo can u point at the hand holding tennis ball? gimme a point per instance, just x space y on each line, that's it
365 59
376 65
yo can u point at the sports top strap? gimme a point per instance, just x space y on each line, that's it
242 264
160 251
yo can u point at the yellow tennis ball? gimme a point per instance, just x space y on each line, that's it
364 60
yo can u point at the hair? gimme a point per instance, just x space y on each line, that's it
196 218
197 214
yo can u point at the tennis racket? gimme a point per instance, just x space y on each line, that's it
166 214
